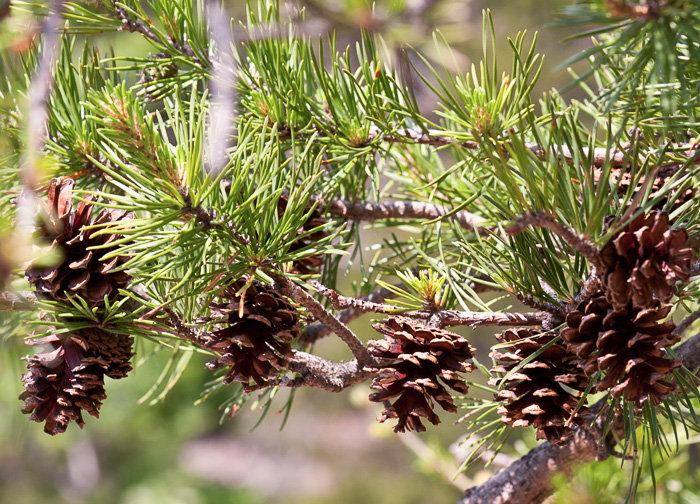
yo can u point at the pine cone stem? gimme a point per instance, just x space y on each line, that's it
318 330
290 289
582 244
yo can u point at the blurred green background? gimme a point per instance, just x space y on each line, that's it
331 450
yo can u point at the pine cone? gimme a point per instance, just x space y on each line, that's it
645 259
628 344
256 344
80 271
69 377
312 264
539 393
423 354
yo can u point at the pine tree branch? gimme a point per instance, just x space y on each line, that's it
582 244
290 289
317 372
695 269
445 317
401 210
18 301
686 323
318 330
324 374
528 479
529 300
137 25
616 157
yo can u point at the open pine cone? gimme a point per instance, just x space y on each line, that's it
645 260
312 264
420 356
543 392
80 271
69 377
255 345
628 344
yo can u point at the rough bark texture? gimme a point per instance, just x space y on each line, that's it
400 210
523 482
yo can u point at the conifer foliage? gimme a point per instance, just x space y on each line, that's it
201 198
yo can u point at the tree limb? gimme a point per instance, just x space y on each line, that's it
695 269
316 372
401 210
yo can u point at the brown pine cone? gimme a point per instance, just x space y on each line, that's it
69 377
645 260
540 392
80 271
627 344
312 264
421 355
257 344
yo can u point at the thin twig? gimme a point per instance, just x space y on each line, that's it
318 330
589 288
580 243
137 25
686 323
401 210
529 300
445 317
290 289
695 269
616 157
18 301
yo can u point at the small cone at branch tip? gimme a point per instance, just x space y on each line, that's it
81 270
543 393
68 378
424 360
628 345
256 333
645 261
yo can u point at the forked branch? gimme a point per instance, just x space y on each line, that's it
290 289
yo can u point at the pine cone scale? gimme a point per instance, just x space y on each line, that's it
422 356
